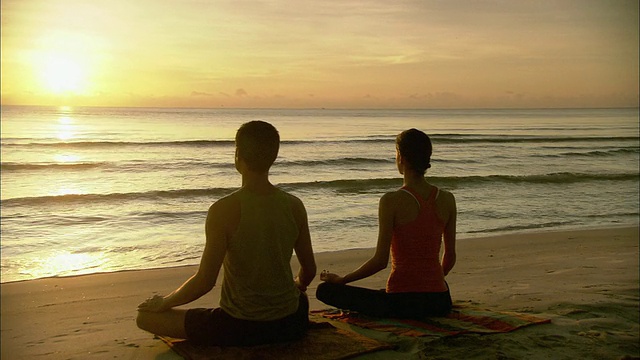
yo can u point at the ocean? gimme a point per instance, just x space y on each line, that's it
87 190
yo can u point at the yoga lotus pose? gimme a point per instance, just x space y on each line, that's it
413 222
253 232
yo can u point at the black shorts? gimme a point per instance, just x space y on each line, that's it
217 327
379 303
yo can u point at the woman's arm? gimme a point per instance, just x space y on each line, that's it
380 259
449 253
210 263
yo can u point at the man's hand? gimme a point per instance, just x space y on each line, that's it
153 304
299 284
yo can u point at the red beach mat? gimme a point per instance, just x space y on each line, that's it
462 320
323 341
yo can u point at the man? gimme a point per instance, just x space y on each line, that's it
253 232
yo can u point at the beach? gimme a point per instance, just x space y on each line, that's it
585 281
113 154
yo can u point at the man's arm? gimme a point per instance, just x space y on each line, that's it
303 247
449 254
210 263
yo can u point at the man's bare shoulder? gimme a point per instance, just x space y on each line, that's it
295 202
297 209
225 204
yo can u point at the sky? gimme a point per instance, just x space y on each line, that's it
320 54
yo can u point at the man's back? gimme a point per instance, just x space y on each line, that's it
258 282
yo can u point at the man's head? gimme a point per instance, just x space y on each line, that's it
257 144
415 149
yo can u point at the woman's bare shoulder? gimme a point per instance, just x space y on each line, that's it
394 198
446 194
446 199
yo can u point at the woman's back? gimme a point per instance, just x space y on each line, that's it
416 242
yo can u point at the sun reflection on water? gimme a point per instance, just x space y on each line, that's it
66 158
65 129
65 120
66 190
67 263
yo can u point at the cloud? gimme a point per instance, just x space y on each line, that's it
430 53
196 93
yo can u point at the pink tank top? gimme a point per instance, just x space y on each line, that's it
415 251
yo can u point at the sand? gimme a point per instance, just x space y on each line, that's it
586 281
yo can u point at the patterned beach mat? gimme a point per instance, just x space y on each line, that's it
323 341
462 320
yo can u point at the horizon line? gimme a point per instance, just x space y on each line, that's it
324 108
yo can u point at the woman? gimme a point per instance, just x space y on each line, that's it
413 222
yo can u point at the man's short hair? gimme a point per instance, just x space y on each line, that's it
257 143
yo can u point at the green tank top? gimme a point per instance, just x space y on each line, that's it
258 281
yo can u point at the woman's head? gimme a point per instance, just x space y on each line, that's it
257 144
415 149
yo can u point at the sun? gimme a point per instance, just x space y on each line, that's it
62 73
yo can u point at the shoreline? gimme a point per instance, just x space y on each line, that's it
465 238
585 280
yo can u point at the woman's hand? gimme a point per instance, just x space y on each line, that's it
331 277
153 304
